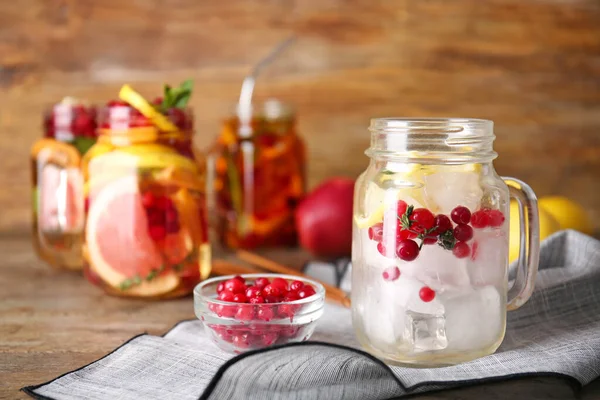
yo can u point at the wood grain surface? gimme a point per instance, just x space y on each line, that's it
531 66
55 322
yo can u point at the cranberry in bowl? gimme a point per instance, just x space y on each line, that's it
254 311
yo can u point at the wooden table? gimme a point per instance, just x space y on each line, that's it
53 322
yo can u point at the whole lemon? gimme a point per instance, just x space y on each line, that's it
568 213
548 225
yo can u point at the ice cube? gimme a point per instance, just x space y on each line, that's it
475 318
446 189
370 254
426 332
384 319
421 323
437 267
404 293
488 260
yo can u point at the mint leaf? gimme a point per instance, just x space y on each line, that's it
447 240
188 85
177 97
182 99
83 144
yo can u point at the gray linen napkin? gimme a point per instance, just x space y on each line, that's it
557 333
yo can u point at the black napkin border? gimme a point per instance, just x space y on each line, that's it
574 383
30 389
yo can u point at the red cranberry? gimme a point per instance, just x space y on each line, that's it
265 313
462 232
226 311
442 224
289 331
384 251
407 250
235 286
496 218
257 300
225 337
426 294
376 232
156 217
241 340
240 298
261 282
296 285
480 219
258 329
461 215
286 310
272 299
269 338
391 274
403 234
171 215
173 226
157 232
401 207
291 296
253 291
280 283
461 250
163 203
226 296
245 313
239 278
148 199
306 291
422 219
271 290
220 287
177 117
83 124
117 103
430 240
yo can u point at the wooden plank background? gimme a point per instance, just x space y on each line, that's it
531 66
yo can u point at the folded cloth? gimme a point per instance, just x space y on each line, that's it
556 333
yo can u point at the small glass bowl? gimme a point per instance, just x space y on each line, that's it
239 327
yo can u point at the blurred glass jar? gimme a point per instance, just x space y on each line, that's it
146 230
257 177
57 197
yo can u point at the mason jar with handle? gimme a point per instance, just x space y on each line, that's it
430 275
57 187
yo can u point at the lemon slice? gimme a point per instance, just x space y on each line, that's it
370 220
138 102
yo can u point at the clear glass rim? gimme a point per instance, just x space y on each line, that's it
438 125
271 108
200 297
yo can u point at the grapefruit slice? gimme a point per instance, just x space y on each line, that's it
118 245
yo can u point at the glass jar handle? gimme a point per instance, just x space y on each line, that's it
529 248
